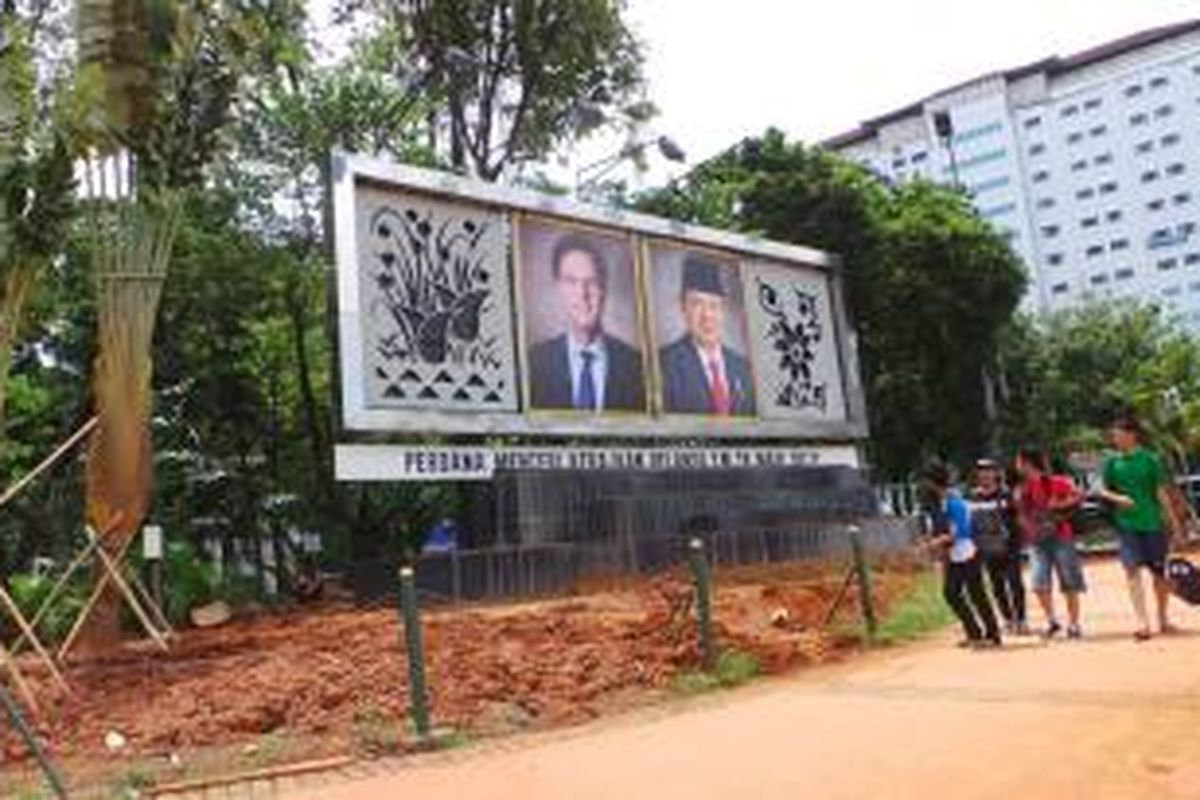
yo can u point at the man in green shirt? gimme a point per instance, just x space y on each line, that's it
1136 483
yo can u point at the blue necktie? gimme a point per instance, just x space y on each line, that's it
586 397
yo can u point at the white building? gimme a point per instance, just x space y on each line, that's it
1089 165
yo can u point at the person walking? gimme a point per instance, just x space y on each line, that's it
994 529
1044 502
963 587
1136 483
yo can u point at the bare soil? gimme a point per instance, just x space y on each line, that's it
333 680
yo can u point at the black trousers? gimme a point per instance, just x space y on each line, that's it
1008 587
966 596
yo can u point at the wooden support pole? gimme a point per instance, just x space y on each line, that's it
10 664
15 612
49 461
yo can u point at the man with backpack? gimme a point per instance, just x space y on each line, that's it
994 530
1044 504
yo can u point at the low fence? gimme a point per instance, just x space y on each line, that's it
554 568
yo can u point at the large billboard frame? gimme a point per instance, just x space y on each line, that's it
349 172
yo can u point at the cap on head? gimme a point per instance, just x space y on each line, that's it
986 463
701 275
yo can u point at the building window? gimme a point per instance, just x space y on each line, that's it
1114 215
997 211
1089 222
994 183
1176 169
1069 111
1186 229
1099 130
1134 90
898 163
1054 259
1169 140
1156 205
1075 138
1079 165
1149 176
1085 194
1183 198
1192 258
1095 250
1108 187
1037 149
1172 291
1194 286
1099 279
1050 231
1167 264
1138 119
919 157
1046 202
1033 122
975 133
1059 288
1118 244
982 158
1159 82
1040 176
1093 104
1102 159
1145 147
1123 274
1164 111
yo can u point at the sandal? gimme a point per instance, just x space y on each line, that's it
1142 635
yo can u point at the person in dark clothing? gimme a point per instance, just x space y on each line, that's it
994 529
963 588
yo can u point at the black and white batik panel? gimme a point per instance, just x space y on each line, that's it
436 303
794 339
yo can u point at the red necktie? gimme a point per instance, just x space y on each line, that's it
720 392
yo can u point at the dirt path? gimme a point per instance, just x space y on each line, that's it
1102 718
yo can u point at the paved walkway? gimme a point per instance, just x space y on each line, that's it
1102 718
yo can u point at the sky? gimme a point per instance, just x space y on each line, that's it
720 71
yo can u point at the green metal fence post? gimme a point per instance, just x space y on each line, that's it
411 614
18 720
702 579
864 579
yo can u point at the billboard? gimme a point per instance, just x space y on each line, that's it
476 309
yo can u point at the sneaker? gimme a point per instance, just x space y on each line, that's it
1074 632
1052 630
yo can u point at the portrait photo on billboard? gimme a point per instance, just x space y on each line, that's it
579 318
698 330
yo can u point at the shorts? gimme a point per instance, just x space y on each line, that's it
1144 549
1053 554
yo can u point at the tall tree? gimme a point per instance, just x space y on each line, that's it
519 77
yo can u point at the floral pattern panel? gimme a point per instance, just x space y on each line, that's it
436 303
795 343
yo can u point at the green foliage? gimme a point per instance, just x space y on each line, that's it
30 592
919 612
518 78
930 285
733 668
189 581
375 732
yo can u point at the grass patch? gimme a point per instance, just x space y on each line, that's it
733 668
919 612
375 732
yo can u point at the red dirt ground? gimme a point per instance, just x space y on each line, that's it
320 673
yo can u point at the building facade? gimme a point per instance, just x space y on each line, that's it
1089 165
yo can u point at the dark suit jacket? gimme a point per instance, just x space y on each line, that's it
685 380
550 376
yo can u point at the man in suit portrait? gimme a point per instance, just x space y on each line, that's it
700 373
584 368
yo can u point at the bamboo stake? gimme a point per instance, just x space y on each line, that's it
15 612
49 461
62 580
9 663
131 598
86 611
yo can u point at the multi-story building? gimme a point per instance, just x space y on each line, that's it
1089 165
